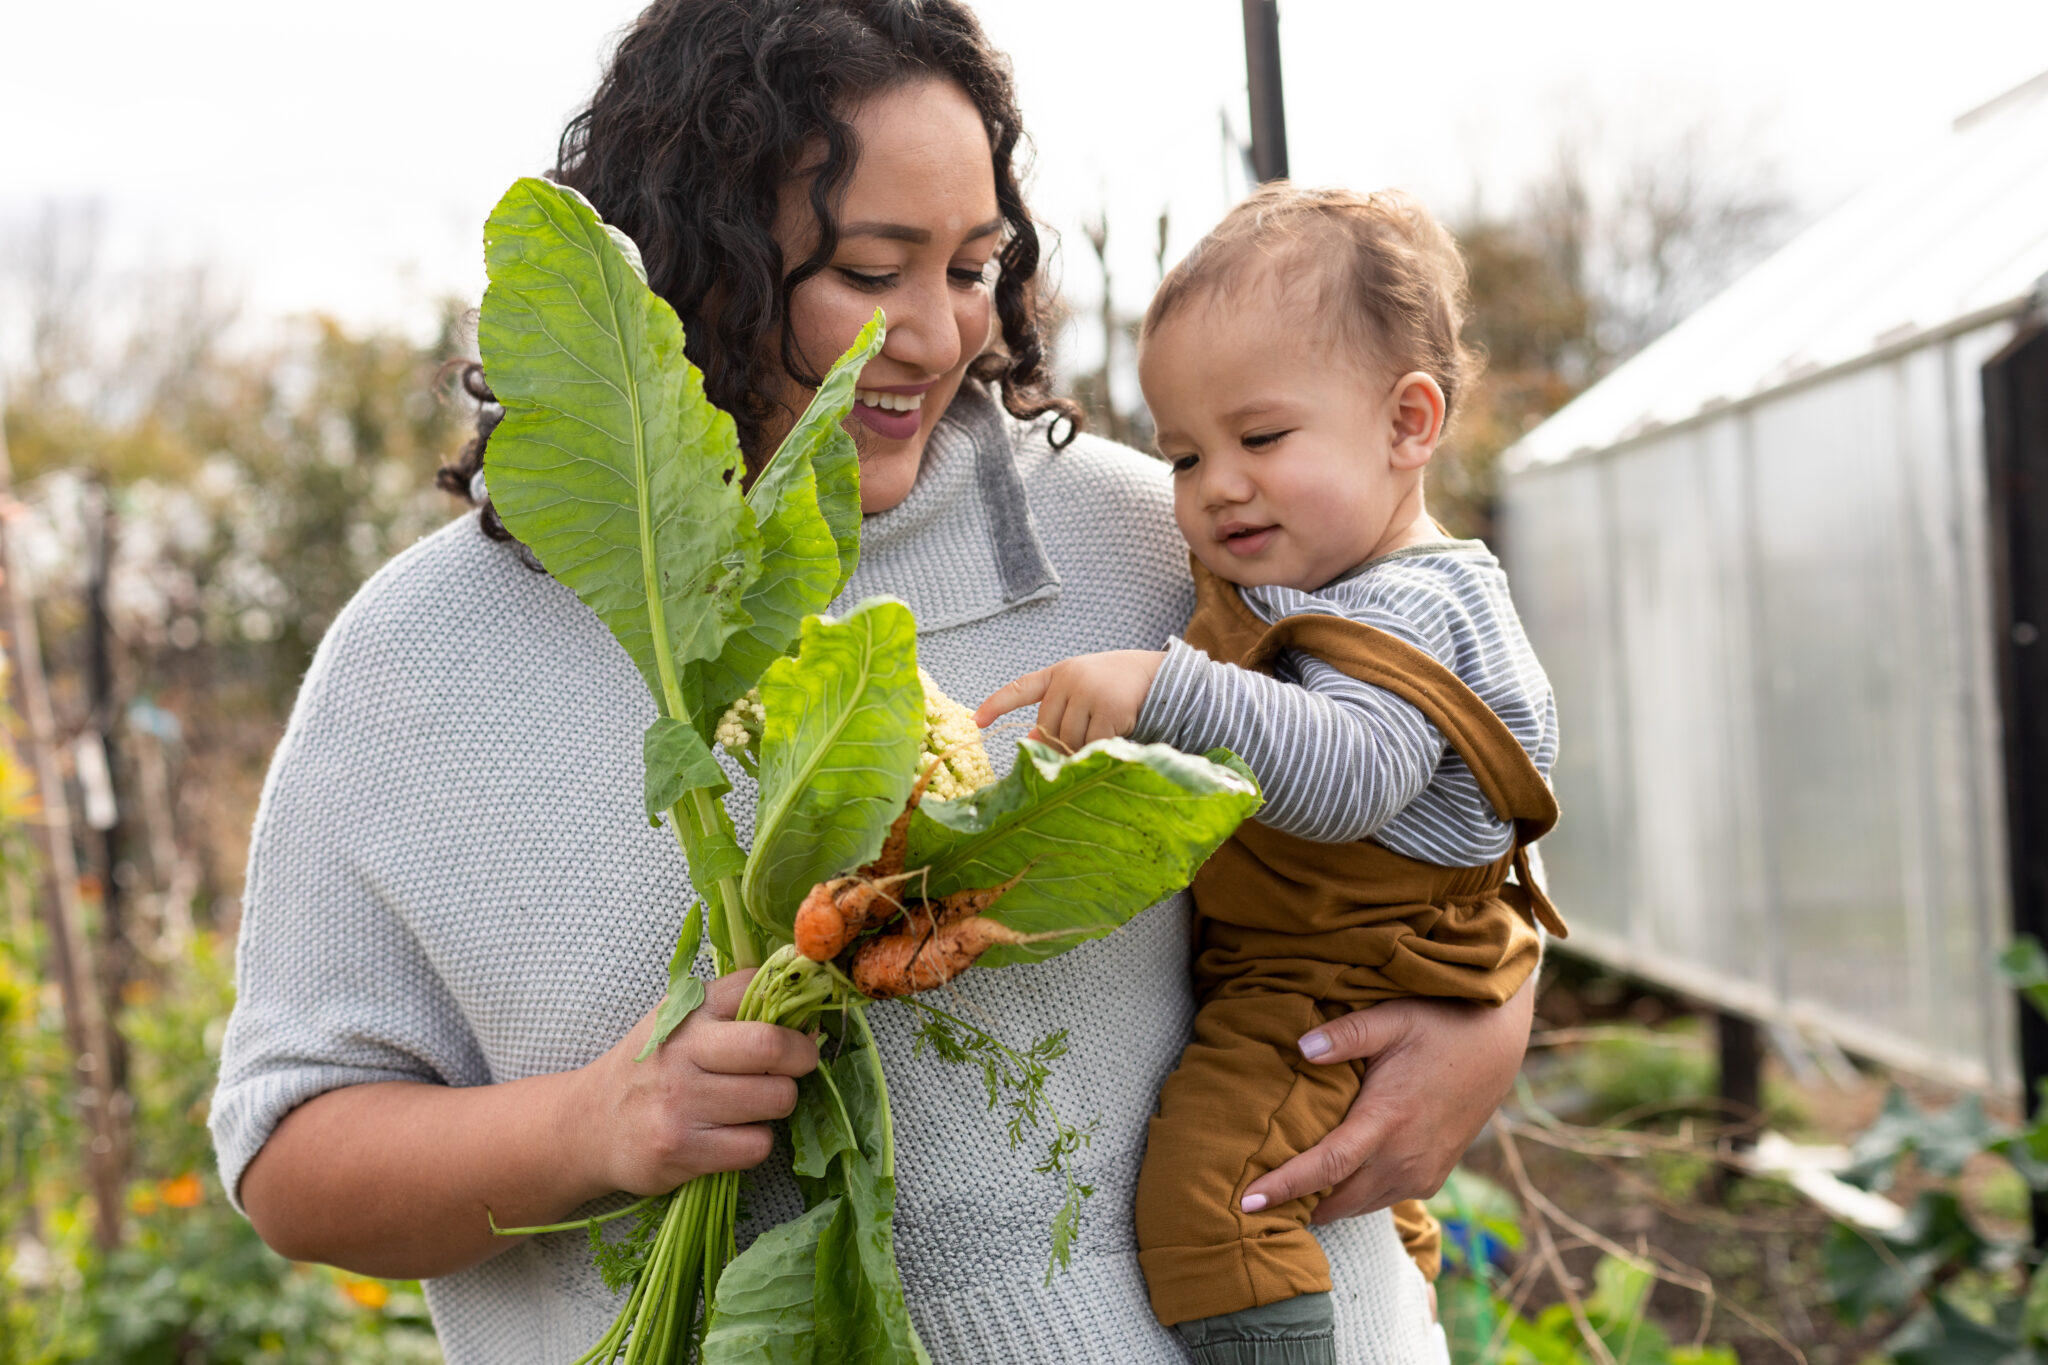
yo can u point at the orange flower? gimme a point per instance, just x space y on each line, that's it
182 1192
370 1294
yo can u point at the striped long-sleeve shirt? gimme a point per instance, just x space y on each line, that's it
1342 760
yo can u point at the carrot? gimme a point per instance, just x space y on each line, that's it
960 905
835 912
903 963
889 862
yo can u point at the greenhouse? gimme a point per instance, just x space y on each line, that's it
1767 564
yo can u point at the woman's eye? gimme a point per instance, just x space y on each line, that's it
966 278
869 280
1181 464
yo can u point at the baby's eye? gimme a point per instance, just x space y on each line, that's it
1181 464
1262 439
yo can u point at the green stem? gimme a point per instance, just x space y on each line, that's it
739 941
867 1034
573 1224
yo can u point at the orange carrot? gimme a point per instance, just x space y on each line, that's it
902 963
960 905
835 913
889 862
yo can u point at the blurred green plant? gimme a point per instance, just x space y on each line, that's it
1630 1072
192 1283
1959 1295
1482 1223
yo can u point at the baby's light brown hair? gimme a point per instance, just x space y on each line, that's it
1388 279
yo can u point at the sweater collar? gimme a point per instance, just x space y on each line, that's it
962 545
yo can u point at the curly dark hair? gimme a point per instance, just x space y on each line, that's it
707 110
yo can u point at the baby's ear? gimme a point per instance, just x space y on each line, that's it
1416 411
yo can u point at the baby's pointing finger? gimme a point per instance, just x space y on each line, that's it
1023 692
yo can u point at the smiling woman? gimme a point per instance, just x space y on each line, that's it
454 936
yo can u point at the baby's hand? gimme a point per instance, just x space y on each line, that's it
1090 697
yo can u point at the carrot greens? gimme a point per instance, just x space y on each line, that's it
628 485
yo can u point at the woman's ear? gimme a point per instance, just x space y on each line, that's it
1417 414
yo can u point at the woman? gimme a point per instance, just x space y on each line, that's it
455 908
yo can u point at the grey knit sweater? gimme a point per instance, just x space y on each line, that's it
452 882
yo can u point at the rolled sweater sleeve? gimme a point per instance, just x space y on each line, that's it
1336 758
332 986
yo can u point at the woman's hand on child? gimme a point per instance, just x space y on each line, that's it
1082 699
1436 1070
701 1103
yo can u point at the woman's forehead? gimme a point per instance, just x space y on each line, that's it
924 163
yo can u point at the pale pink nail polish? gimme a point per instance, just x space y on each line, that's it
1314 1045
1254 1202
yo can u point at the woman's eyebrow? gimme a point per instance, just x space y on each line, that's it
916 236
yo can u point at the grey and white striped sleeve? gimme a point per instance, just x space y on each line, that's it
1337 758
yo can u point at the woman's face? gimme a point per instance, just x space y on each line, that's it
918 230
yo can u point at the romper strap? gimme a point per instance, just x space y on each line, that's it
1507 776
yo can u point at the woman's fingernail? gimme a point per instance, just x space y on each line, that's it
1254 1202
1314 1045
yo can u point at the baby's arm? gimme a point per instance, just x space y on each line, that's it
1082 699
1336 758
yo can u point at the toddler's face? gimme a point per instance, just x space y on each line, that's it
1282 442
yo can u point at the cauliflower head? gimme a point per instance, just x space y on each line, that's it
951 736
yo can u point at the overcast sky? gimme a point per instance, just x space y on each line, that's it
342 157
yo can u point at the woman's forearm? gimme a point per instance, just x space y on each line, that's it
400 1180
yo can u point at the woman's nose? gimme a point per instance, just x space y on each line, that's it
923 333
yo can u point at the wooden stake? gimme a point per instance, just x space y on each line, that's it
86 1026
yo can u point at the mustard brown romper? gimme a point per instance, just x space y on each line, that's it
1291 934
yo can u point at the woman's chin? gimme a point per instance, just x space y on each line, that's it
888 469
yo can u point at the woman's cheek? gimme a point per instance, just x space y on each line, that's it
977 317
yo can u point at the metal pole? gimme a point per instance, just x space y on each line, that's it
1262 68
2016 469
1741 1092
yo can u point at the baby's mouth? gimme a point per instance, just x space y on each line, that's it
1240 539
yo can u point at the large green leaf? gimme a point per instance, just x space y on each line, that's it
1103 834
861 1316
610 464
804 561
838 754
820 434
762 1313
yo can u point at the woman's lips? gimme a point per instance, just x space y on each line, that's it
1249 542
890 426
892 412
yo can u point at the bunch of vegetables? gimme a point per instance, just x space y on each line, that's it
885 857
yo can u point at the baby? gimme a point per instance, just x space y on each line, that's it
1301 365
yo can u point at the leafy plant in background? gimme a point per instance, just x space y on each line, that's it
1482 1223
192 1282
628 485
1960 1295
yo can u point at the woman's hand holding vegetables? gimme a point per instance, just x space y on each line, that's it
701 1103
1436 1070
1082 699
